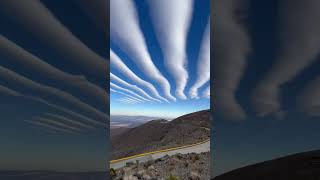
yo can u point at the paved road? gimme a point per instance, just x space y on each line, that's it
195 148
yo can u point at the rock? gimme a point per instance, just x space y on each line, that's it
194 176
146 177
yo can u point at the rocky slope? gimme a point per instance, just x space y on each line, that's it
161 134
181 166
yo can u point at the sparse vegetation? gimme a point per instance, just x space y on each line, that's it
113 173
172 177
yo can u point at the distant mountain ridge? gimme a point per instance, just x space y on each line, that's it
301 166
117 121
160 134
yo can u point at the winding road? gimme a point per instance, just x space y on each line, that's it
200 147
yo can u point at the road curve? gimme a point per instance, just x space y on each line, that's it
200 147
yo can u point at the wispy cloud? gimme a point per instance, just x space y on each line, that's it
23 58
49 126
135 87
49 93
231 47
172 19
31 14
206 92
71 121
116 62
203 70
299 40
9 92
128 91
56 123
129 101
126 33
127 95
308 100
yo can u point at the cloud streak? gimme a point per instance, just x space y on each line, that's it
71 121
116 62
299 46
47 92
128 91
52 127
135 87
231 47
206 92
308 100
172 20
203 70
31 14
21 57
126 33
56 123
80 117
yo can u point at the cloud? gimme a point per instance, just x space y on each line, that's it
126 33
34 17
203 70
308 100
71 121
135 87
127 95
53 94
22 58
129 101
172 20
8 92
42 124
128 91
116 62
299 41
206 92
80 117
231 47
56 123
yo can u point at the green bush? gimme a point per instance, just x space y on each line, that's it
172 177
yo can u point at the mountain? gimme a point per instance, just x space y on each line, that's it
117 121
301 166
161 134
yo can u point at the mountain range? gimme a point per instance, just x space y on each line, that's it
160 134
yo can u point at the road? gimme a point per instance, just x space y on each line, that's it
193 148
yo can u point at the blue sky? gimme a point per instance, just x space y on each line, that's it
194 38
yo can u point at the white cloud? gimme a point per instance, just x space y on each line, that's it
203 70
126 33
135 87
116 62
206 92
128 91
172 19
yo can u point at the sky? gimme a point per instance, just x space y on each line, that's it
266 73
53 88
159 62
